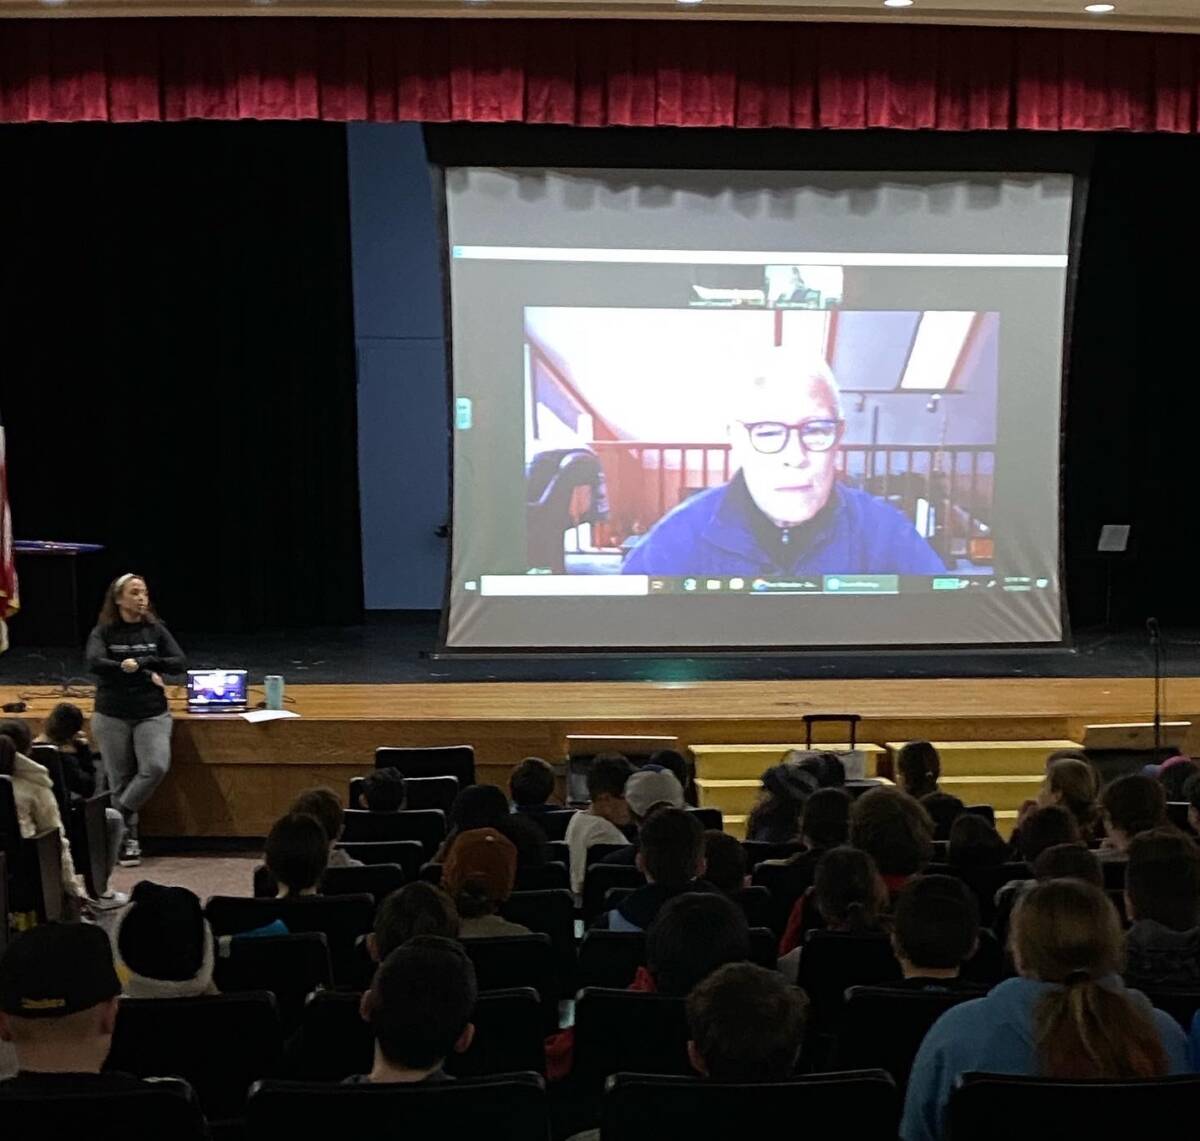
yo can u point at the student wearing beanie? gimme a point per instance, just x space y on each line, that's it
164 946
479 874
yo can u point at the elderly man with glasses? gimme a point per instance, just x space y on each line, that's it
784 514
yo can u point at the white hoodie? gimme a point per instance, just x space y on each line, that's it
37 811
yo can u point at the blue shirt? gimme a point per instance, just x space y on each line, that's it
995 1035
723 532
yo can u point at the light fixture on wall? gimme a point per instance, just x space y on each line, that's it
897 3
934 402
1099 9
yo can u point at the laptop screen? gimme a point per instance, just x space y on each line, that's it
216 689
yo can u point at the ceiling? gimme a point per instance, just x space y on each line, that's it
1136 15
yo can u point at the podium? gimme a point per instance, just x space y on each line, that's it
49 585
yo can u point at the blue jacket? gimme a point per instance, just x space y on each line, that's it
719 531
994 1035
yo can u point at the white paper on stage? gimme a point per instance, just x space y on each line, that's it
254 716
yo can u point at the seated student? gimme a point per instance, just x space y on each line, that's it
646 791
418 908
602 821
848 894
724 862
476 806
296 854
1068 862
1130 805
531 786
918 769
1162 901
1173 774
895 831
775 817
479 874
323 804
1067 1016
383 791
974 843
746 1025
825 824
1070 783
1042 828
676 764
164 945
943 810
671 857
58 1006
419 1008
37 811
935 930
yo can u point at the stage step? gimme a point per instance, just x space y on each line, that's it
749 762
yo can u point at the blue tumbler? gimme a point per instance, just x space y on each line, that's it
274 687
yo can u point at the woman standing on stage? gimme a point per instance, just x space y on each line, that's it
129 651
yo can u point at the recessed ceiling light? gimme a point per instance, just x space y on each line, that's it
897 3
1099 9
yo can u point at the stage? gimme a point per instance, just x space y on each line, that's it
231 778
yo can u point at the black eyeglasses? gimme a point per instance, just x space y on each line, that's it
770 437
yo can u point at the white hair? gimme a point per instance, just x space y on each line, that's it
782 364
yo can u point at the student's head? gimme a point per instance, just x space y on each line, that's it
936 925
1067 932
531 783
1174 775
725 861
1045 828
418 908
692 935
18 732
1069 862
893 829
58 997
826 820
1162 881
478 806
918 768
324 806
784 428
672 848
1131 805
420 1003
63 723
8 756
297 852
1070 783
164 943
746 1025
848 891
675 763
607 776
384 791
786 788
524 835
648 789
943 810
127 599
974 843
480 871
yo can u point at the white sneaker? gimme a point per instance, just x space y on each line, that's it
131 853
110 900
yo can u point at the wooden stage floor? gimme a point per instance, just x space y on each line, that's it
232 778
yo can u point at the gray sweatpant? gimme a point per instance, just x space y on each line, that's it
137 755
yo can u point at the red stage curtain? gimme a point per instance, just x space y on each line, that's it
597 73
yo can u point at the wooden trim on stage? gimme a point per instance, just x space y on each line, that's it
231 778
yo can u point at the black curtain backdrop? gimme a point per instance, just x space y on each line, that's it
178 363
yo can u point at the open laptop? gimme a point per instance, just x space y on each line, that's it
216 691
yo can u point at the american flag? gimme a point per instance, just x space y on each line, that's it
9 599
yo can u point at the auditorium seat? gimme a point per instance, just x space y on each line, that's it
419 792
428 825
342 918
627 1031
1177 814
543 877
786 883
984 883
1114 874
34 865
456 761
764 947
290 966
509 1107
335 1042
994 1107
610 959
597 853
710 818
989 965
509 961
756 903
757 851
650 1107
376 880
882 1027
409 854
551 913
165 1109
599 879
984 811
218 1044
553 823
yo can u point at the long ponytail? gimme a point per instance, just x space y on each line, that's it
1067 932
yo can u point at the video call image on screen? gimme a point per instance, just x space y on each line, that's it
763 444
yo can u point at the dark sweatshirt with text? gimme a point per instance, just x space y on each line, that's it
132 696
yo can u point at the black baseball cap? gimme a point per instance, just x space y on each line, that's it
57 969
